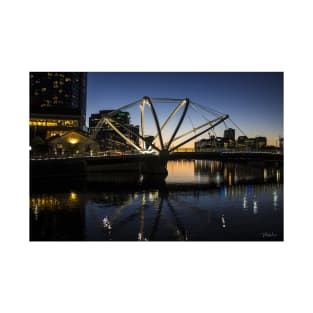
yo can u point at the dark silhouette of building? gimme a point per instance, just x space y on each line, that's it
253 143
260 142
281 144
209 144
241 140
229 137
229 134
107 137
57 103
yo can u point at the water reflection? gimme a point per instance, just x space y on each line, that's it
218 172
255 207
235 202
159 215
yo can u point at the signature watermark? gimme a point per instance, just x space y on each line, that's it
268 235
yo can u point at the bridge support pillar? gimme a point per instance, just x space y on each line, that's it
153 169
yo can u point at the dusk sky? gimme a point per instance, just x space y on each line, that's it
254 101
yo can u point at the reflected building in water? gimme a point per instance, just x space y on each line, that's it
229 173
57 217
157 214
234 202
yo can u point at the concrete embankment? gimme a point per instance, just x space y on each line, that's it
62 168
116 170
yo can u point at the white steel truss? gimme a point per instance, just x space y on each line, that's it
145 144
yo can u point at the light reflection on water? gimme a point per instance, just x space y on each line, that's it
242 204
217 172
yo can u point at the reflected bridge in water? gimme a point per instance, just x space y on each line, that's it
240 212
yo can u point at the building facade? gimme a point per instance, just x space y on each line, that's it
229 138
260 142
57 103
73 143
107 138
209 144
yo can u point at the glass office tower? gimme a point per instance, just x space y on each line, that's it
57 103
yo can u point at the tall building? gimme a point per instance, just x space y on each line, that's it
281 144
107 137
229 134
57 103
229 138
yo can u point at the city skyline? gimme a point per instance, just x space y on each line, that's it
254 101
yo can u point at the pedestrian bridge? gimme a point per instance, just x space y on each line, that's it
161 144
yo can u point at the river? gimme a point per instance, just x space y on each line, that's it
202 201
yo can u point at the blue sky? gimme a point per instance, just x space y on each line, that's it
254 100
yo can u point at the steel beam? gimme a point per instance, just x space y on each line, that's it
186 103
142 121
192 130
135 134
214 123
147 100
122 135
170 117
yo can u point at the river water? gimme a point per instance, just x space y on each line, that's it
202 201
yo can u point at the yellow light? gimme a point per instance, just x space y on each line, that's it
52 123
72 140
73 196
229 179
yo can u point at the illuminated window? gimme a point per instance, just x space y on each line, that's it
52 133
43 89
52 123
67 79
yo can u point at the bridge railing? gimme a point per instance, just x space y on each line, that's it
236 150
50 156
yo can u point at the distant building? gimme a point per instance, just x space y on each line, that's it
107 137
229 134
57 103
250 143
209 144
202 144
281 144
241 140
229 138
219 142
260 142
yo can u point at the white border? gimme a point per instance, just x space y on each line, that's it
156 36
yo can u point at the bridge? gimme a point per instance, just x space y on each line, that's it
151 152
157 144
